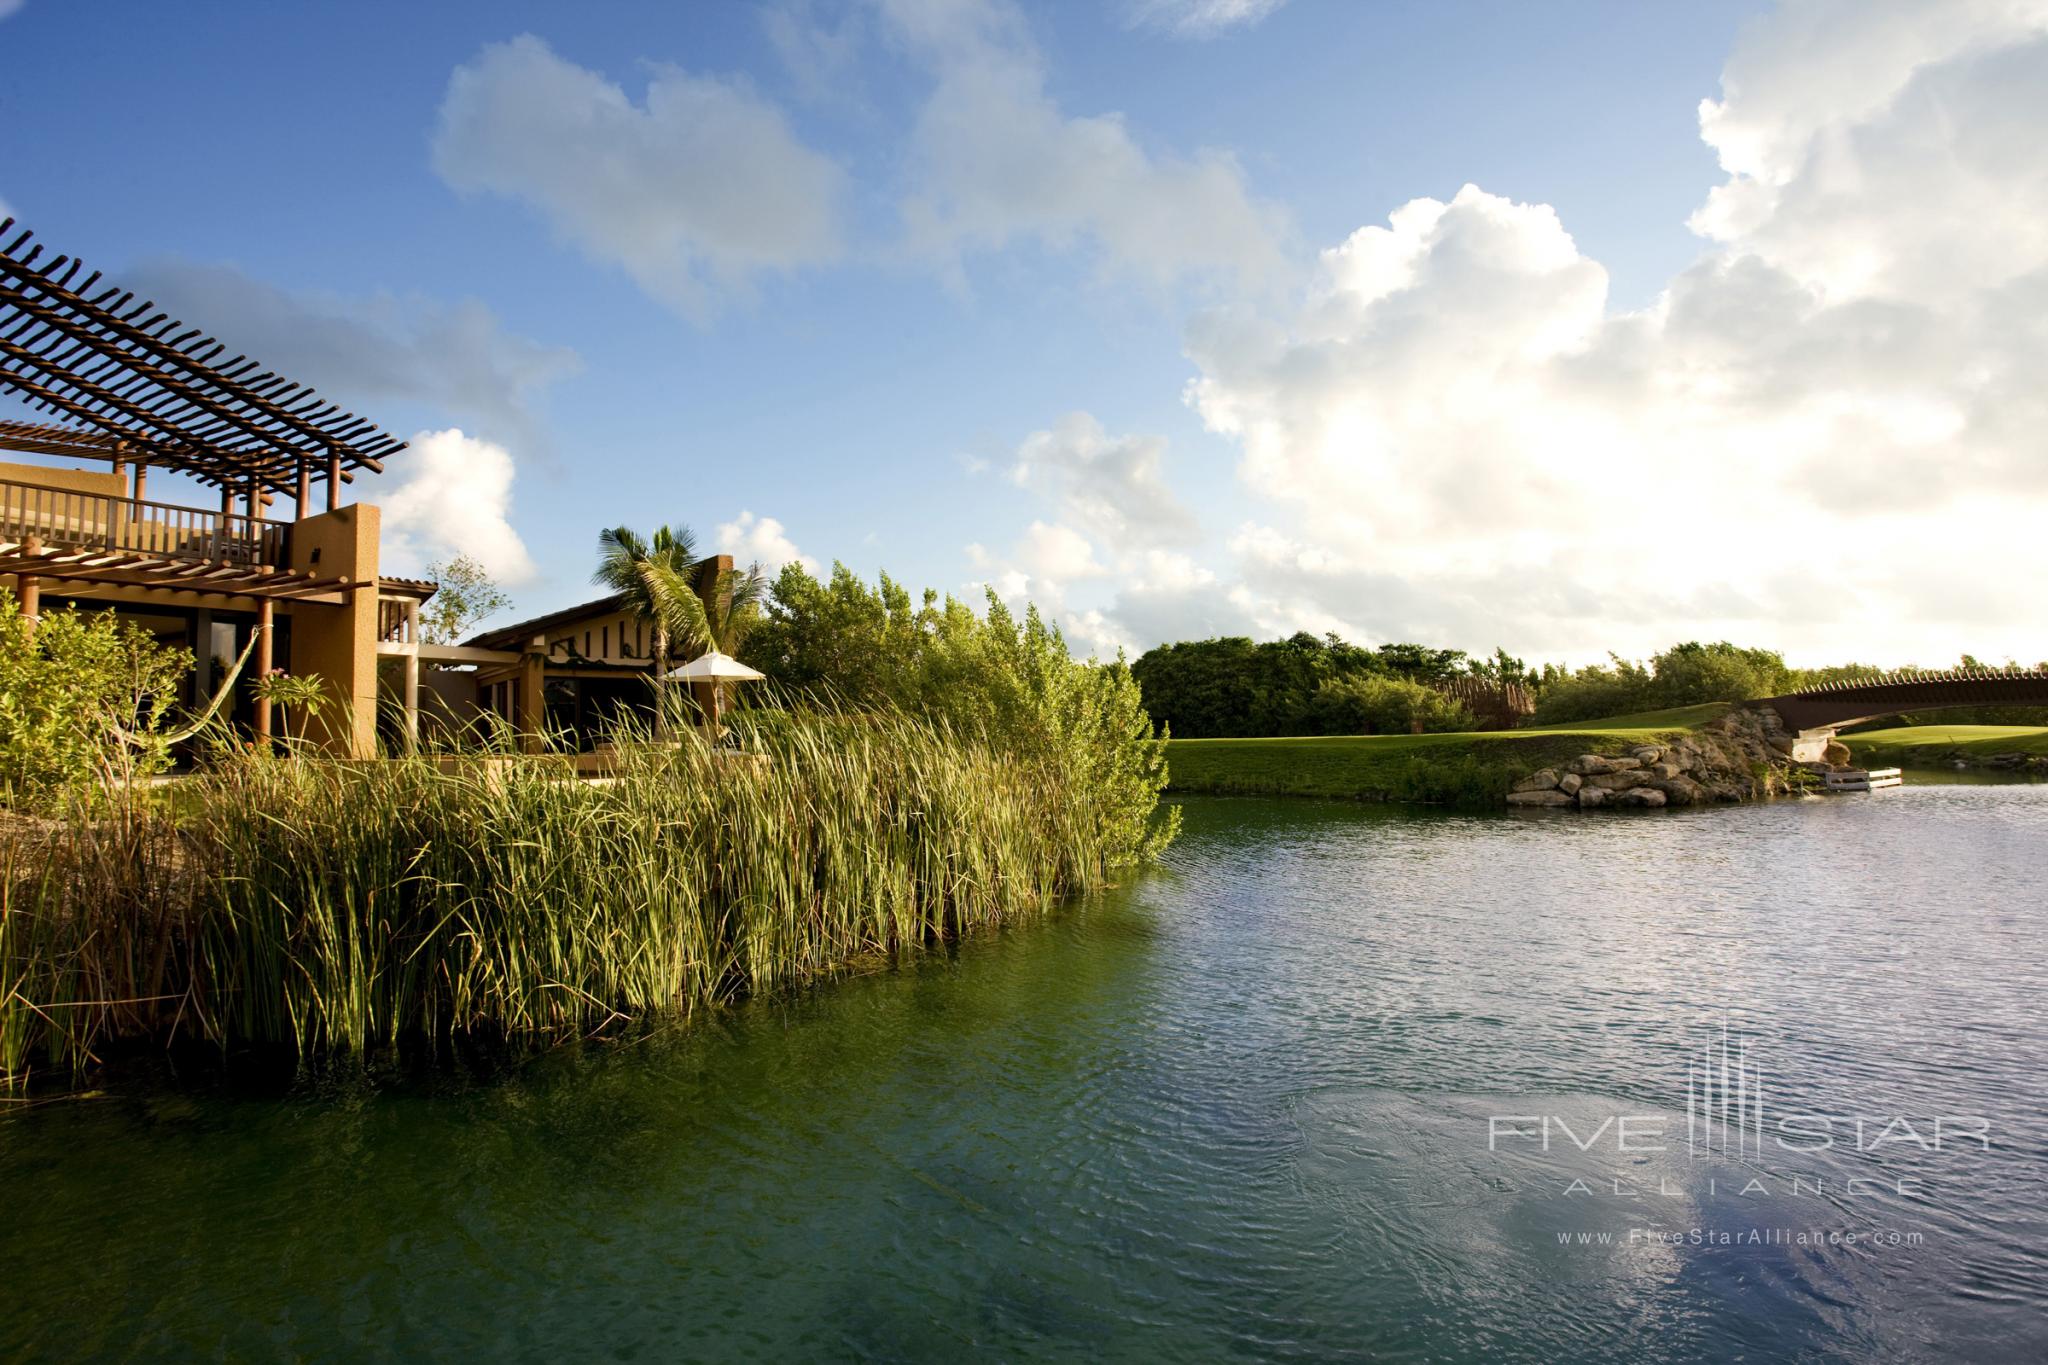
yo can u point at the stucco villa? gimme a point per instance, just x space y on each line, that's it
118 392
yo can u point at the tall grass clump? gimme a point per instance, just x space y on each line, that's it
344 908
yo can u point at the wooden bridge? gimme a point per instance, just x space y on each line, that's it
1814 715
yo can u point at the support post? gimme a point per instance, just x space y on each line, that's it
227 516
141 480
266 612
412 675
531 707
333 479
715 590
305 498
30 592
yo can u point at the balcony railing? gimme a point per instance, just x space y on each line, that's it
60 518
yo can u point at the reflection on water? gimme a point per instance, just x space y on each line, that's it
1238 1109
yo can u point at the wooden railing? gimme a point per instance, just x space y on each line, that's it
61 518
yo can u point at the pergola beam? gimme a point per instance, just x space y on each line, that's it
123 370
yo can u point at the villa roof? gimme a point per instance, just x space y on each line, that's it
509 637
125 381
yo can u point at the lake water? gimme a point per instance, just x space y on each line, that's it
1282 1099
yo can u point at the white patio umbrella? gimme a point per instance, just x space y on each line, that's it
717 669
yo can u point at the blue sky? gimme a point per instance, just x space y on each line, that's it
414 207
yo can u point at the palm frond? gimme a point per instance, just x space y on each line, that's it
677 605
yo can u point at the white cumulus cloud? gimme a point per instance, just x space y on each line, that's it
456 498
996 160
754 540
1816 437
700 187
1114 487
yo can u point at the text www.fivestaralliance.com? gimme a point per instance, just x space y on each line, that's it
1745 1236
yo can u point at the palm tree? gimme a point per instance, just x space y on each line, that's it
716 618
624 557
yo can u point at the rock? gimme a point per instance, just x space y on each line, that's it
1542 780
1782 743
1539 798
1590 797
1640 796
1666 771
1570 783
1836 755
1647 754
1586 765
1620 765
1616 782
1683 791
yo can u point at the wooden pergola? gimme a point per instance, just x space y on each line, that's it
124 382
128 383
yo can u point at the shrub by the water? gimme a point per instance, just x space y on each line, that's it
342 908
992 673
69 694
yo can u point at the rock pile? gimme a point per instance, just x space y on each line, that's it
1740 757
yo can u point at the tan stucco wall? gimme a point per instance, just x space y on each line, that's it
107 485
339 643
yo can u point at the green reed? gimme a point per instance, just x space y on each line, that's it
348 907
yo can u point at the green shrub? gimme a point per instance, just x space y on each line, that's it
1683 675
1007 682
83 704
1370 705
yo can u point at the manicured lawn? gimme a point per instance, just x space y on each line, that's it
1931 743
1677 718
1456 769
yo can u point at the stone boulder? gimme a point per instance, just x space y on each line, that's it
1666 771
1647 754
1541 780
1683 791
1640 796
1539 798
1570 783
1590 765
1592 797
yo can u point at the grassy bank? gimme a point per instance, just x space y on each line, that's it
1909 745
345 908
1453 769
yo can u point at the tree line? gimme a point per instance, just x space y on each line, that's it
1306 684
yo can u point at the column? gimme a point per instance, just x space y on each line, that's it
265 619
531 707
333 480
29 591
412 675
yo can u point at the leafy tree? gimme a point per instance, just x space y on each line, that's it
1688 674
466 597
1420 663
